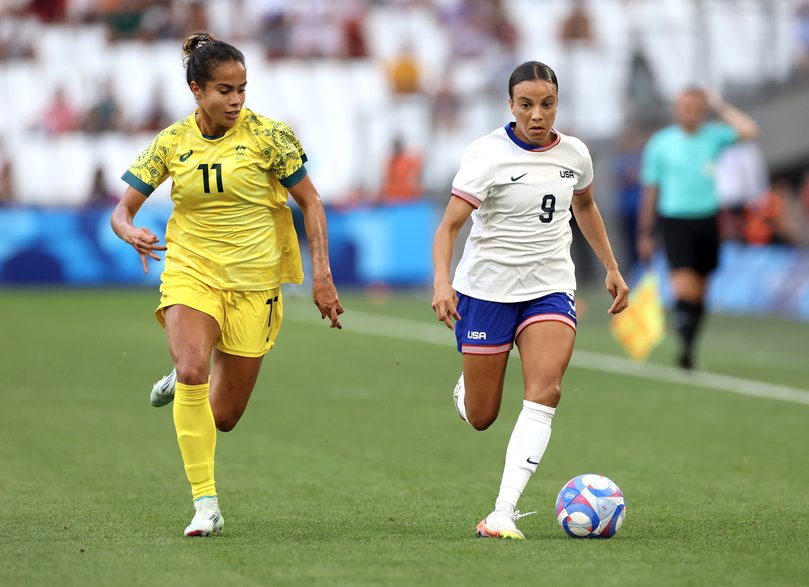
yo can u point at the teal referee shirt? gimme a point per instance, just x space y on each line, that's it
683 167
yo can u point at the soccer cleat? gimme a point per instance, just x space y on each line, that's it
501 525
459 398
163 390
686 361
207 520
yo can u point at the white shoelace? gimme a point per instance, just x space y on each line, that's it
517 515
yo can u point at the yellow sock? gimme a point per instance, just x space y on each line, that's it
196 435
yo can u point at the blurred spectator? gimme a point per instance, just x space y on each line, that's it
100 194
803 209
767 219
404 3
158 21
123 19
6 178
17 32
156 117
466 27
502 28
404 72
352 23
626 170
194 18
106 114
802 38
82 12
59 116
645 104
577 27
274 32
402 181
445 106
577 39
315 31
741 178
49 11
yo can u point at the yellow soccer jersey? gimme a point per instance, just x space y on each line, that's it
231 226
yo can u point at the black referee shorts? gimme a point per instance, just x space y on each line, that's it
691 243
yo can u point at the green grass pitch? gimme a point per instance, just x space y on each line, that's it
350 466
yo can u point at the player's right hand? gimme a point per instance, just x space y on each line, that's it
445 304
324 294
144 242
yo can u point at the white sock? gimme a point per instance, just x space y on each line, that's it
525 449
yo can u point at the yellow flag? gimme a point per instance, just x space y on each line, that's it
642 326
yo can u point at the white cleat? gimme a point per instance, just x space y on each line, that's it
163 390
501 525
459 398
207 520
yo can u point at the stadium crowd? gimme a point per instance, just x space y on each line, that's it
477 41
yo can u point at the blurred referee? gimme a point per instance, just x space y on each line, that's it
680 200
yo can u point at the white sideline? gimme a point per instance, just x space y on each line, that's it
402 329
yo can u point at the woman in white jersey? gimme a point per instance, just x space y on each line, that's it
515 281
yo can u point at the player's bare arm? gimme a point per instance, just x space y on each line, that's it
445 301
591 224
143 240
324 293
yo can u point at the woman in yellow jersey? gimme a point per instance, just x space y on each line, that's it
230 245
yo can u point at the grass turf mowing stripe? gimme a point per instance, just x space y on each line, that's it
423 332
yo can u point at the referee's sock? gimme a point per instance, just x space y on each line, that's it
688 317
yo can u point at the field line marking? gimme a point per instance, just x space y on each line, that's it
423 332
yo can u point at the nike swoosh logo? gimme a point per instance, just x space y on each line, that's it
186 156
512 177
530 462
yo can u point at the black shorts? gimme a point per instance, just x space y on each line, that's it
691 243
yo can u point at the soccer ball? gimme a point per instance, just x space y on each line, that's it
590 506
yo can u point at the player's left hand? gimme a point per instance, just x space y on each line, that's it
618 290
445 304
325 297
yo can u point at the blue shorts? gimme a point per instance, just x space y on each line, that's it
489 328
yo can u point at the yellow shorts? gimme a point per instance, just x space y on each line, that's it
249 320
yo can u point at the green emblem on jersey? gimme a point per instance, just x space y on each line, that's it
266 152
186 156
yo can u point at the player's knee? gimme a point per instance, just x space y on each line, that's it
226 424
226 419
480 419
548 395
192 372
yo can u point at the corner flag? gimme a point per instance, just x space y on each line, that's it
642 326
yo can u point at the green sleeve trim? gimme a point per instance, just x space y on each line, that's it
137 183
290 181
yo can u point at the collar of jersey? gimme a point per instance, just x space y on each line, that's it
215 137
528 146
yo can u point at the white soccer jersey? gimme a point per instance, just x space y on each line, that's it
519 246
